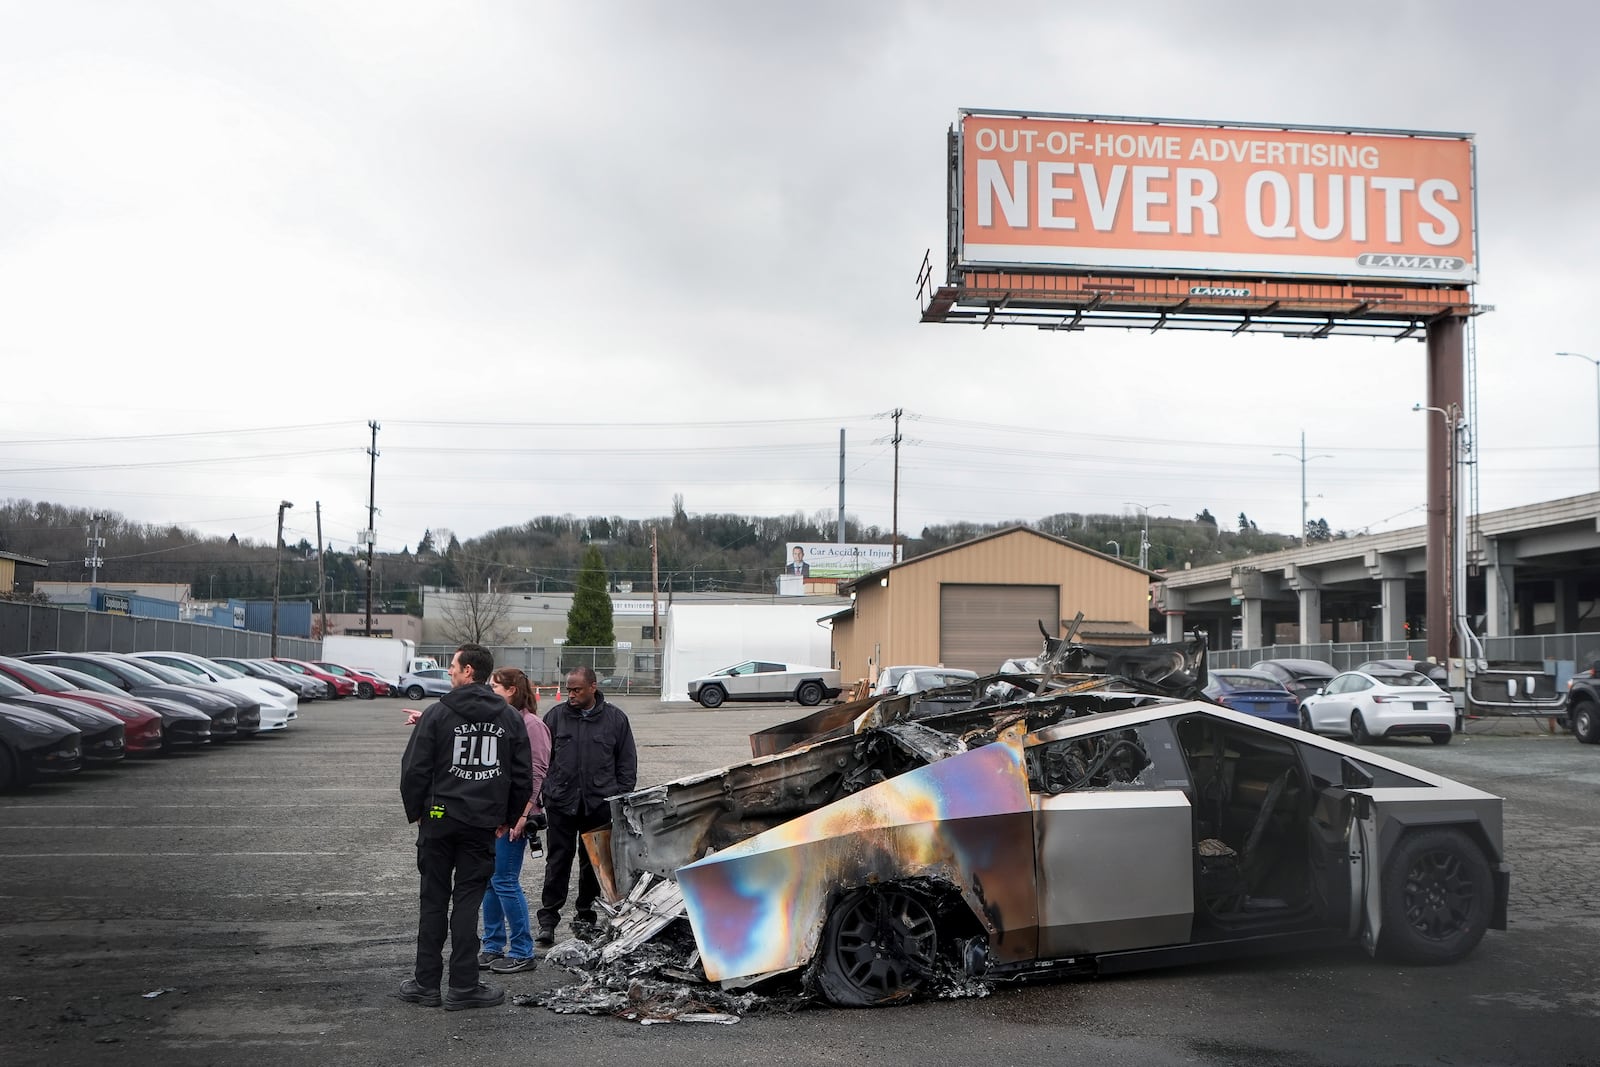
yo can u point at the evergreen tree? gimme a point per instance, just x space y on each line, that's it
425 546
589 620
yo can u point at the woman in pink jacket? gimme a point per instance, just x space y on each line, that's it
507 937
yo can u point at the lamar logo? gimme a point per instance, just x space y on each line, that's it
1216 290
1393 262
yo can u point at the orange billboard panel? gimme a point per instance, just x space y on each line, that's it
1085 193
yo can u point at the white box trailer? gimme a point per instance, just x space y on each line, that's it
386 657
702 638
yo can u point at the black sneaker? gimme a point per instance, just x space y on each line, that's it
416 994
546 938
513 965
482 996
486 959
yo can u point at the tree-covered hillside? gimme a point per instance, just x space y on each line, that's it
696 552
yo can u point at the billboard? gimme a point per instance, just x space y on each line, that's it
1086 193
821 559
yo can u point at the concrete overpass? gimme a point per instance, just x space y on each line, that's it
1532 569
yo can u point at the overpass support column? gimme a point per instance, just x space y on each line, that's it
1252 618
1250 587
1500 590
1390 570
1566 605
1304 582
1394 609
1174 627
1171 603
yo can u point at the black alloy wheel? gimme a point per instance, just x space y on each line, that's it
1436 896
414 692
712 696
809 694
1358 730
365 691
878 948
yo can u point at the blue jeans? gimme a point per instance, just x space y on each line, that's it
505 909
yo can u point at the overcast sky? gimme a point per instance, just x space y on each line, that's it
579 257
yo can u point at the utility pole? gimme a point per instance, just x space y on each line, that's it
894 535
1305 501
277 575
655 590
841 485
322 585
95 544
372 517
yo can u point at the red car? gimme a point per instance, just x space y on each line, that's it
141 725
367 685
339 687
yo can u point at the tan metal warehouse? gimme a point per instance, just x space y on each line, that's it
979 603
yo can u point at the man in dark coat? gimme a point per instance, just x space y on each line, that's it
466 775
592 757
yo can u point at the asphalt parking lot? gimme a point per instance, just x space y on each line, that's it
265 892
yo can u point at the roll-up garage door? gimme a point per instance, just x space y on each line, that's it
982 626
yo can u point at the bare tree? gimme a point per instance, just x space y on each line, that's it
477 613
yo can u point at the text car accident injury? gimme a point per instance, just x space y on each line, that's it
1075 823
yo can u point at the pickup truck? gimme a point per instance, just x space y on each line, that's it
1583 706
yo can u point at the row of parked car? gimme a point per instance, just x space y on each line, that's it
60 711
1378 699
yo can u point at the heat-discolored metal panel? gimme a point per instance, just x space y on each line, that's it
759 906
1115 870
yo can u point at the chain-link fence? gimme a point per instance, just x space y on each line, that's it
620 670
28 628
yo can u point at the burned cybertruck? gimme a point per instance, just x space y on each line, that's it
1098 819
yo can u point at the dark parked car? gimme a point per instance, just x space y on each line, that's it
1082 833
102 740
1254 693
182 726
139 683
34 745
142 726
247 712
1434 672
1302 677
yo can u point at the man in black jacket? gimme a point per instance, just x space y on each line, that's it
466 775
591 758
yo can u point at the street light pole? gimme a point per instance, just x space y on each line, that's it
1305 501
1596 362
277 576
1144 537
1117 545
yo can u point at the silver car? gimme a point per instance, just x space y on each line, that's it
429 683
1094 829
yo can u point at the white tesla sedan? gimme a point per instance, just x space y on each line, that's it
1367 705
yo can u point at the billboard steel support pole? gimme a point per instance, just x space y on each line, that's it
1446 347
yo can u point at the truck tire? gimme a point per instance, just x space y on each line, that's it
712 696
809 694
1585 722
